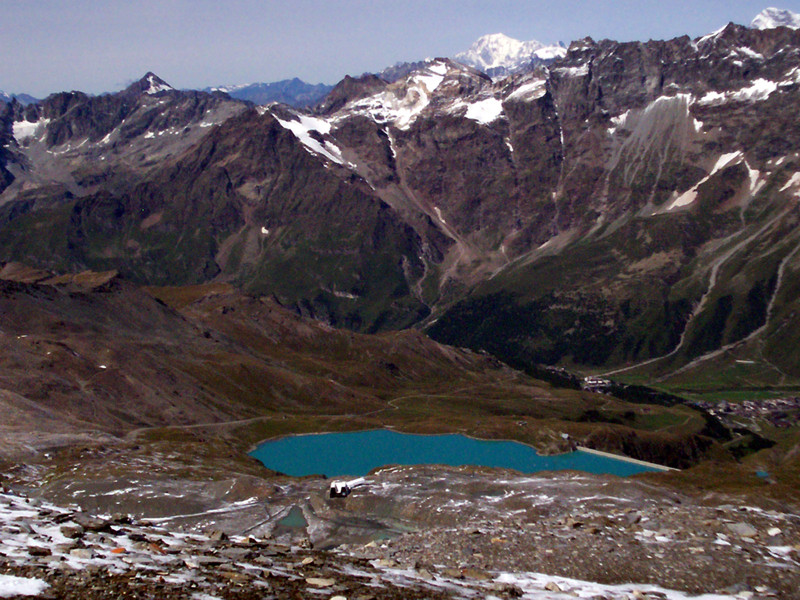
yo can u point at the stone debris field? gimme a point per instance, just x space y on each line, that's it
412 532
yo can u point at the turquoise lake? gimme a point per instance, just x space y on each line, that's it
357 453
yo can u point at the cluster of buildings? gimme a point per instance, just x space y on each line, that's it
596 384
779 412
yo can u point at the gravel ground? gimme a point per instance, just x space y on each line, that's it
409 532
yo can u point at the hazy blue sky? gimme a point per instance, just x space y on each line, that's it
96 46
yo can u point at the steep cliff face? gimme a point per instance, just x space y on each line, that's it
673 230
630 201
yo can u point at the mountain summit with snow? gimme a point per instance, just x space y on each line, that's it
149 84
497 54
770 18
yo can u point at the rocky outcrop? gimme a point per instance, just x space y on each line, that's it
348 90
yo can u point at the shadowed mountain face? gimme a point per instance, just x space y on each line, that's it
72 343
632 201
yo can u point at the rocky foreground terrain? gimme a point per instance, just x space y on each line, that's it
411 532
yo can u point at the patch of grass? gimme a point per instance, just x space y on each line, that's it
681 420
179 297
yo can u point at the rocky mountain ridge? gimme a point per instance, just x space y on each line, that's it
611 202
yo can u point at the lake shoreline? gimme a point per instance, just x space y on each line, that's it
254 447
287 454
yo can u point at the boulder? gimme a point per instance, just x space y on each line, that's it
320 582
552 586
742 529
72 531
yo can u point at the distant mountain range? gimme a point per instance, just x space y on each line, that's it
23 99
495 54
294 92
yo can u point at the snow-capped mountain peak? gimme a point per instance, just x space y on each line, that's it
770 18
497 50
149 84
498 54
156 84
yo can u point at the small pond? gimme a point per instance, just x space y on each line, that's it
357 453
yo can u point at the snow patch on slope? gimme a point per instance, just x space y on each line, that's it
710 36
675 106
723 161
794 181
754 176
749 53
791 78
156 85
25 129
20 586
759 90
535 587
230 88
433 77
402 105
581 71
551 52
529 91
618 122
484 111
302 130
